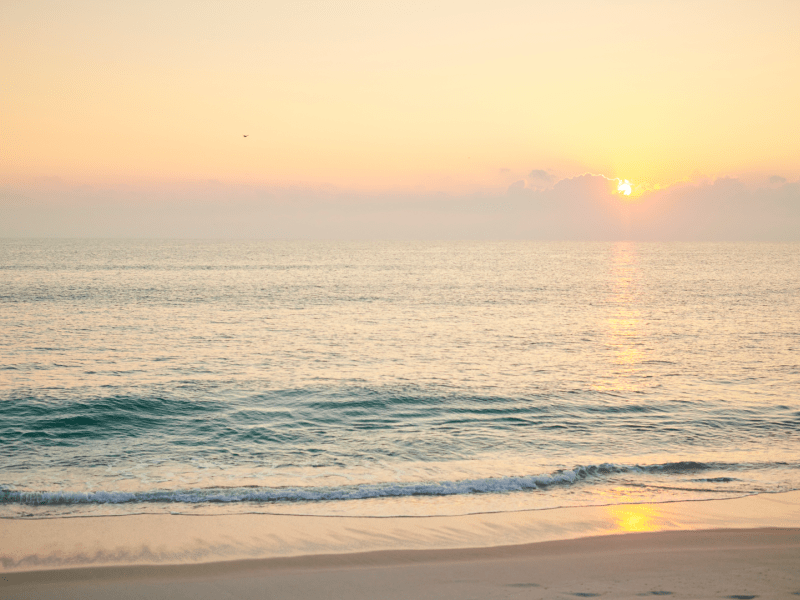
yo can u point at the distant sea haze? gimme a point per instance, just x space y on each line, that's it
586 207
393 378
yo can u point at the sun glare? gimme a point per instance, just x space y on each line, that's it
624 187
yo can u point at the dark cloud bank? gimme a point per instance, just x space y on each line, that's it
579 208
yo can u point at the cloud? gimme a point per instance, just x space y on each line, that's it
586 207
539 179
725 210
516 187
777 180
541 175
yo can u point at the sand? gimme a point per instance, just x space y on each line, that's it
757 563
743 548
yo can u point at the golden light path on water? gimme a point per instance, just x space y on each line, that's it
623 325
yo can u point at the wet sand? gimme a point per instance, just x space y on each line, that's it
757 563
743 548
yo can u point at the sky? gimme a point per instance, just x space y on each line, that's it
387 119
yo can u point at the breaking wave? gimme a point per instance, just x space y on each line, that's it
489 485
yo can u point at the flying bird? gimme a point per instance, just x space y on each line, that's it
245 134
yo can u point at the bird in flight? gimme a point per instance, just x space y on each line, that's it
245 134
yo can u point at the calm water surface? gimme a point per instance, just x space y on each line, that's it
393 378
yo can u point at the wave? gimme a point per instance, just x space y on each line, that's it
488 485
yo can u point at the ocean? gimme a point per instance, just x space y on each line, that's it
393 378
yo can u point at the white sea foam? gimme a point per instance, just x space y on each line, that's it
488 485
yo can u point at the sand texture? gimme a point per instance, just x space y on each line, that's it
756 563
31 544
741 548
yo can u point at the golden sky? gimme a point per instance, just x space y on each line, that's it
389 95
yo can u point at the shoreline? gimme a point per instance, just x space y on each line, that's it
653 541
169 540
711 563
399 516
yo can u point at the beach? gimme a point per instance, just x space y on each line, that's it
740 548
426 300
186 419
728 563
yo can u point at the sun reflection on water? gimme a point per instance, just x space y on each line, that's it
630 518
623 324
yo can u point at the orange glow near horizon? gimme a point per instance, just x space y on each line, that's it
378 96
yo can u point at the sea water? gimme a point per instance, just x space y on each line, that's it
393 378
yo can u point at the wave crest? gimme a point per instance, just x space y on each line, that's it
488 485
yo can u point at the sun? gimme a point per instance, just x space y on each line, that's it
624 187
